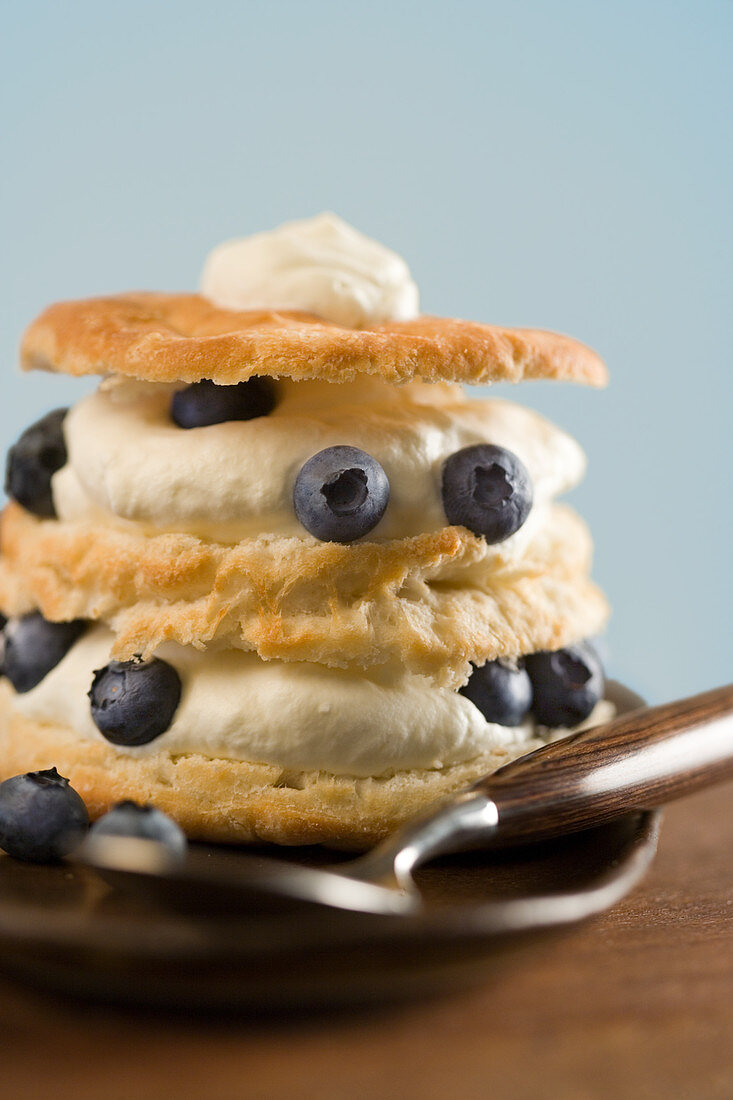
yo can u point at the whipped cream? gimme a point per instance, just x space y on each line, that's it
300 716
130 463
319 265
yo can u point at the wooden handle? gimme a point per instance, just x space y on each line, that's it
639 761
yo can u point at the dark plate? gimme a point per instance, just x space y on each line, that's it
64 928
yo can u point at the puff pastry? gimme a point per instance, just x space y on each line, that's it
183 337
432 600
435 602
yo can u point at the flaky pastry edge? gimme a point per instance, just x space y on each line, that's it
184 338
433 602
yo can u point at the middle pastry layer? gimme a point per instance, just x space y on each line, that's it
434 602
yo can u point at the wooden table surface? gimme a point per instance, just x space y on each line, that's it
637 1003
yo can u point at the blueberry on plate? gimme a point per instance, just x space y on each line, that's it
145 822
486 489
42 818
32 646
567 684
501 690
133 702
32 462
204 403
340 494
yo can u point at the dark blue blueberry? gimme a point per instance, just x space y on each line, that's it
501 690
129 819
32 646
486 489
42 818
567 684
203 403
340 494
33 461
133 702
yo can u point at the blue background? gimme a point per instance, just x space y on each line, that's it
561 165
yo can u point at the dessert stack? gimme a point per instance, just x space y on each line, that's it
279 576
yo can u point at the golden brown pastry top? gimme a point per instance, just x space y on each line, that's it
184 338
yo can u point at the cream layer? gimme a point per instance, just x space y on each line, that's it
296 715
128 460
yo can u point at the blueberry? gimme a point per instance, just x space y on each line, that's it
486 489
133 702
501 690
33 461
32 646
203 403
129 819
567 684
42 818
340 494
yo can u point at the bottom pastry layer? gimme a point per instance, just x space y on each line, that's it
237 802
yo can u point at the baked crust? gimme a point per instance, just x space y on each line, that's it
184 337
434 602
229 801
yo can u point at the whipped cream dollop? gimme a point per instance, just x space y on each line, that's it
129 462
302 716
319 265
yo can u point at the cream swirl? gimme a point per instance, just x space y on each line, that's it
301 716
128 460
320 265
